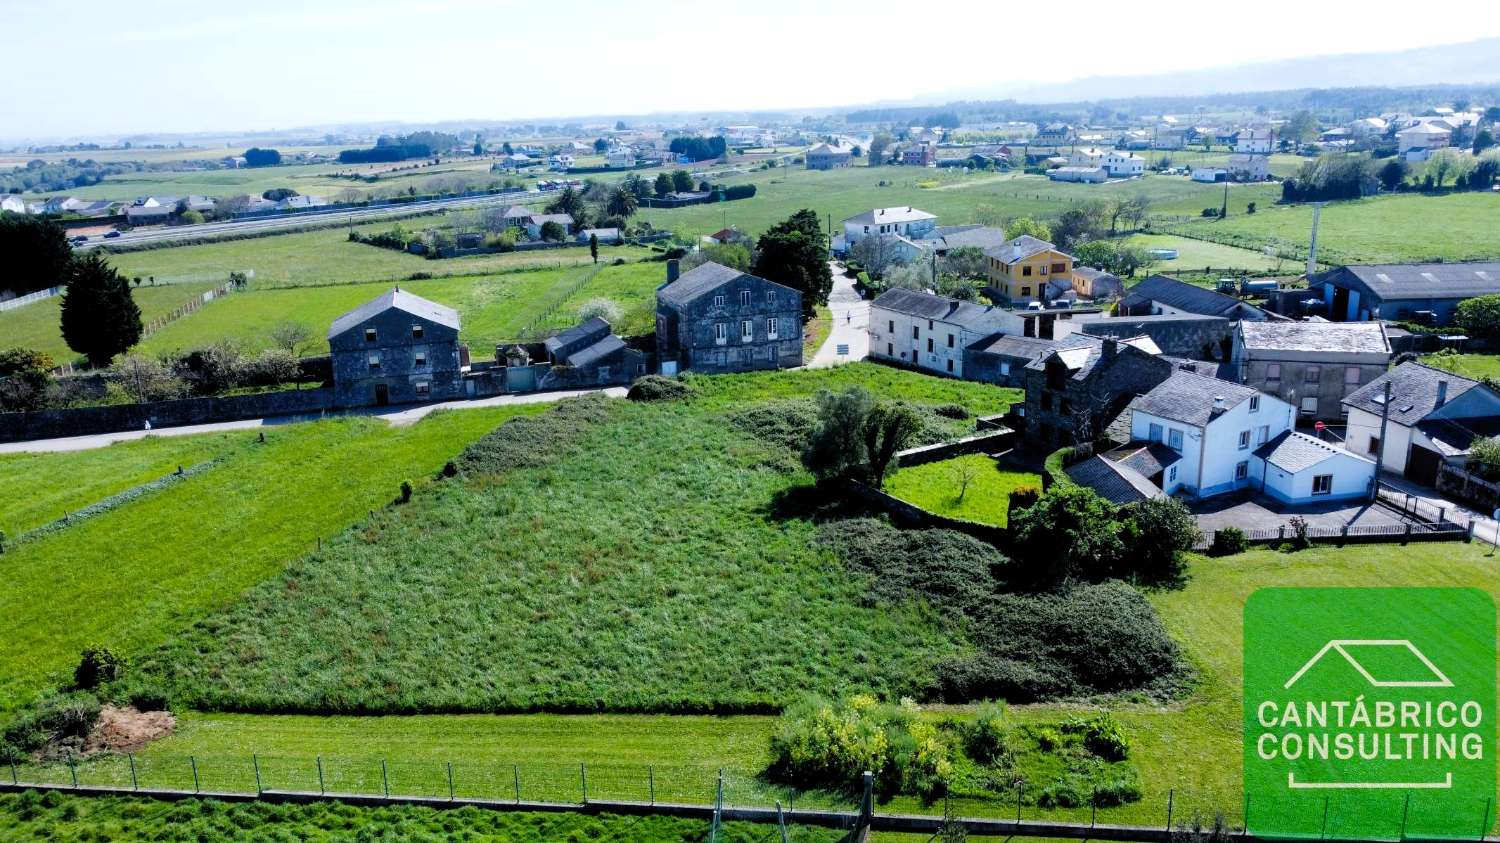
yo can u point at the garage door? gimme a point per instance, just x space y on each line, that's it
1422 465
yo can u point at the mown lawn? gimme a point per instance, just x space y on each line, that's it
57 483
1476 366
660 562
38 325
130 577
493 308
1398 228
1195 255
940 487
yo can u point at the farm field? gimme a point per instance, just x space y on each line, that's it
136 573
1282 164
1476 366
1169 742
1194 255
326 256
936 488
954 198
68 481
1381 229
493 308
694 536
38 325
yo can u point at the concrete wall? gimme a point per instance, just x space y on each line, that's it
1328 384
83 421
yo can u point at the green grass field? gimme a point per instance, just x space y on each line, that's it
1476 366
1382 229
37 325
644 567
1194 255
936 488
493 308
134 575
57 483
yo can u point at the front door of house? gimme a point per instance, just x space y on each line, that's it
382 395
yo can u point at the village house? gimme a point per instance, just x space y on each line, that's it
912 223
1089 175
14 204
1417 143
1091 283
1001 359
1019 269
620 158
1255 140
395 349
1055 134
932 332
1420 292
1247 167
605 236
826 156
1079 390
592 354
1159 294
919 154
946 238
1186 335
717 319
1431 417
1313 366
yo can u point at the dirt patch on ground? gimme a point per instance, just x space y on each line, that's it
126 729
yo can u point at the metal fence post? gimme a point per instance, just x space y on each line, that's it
134 782
516 770
14 779
322 788
255 762
197 786
651 783
1171 798
73 771
450 781
1094 807
583 779
1246 829
1020 787
781 821
385 779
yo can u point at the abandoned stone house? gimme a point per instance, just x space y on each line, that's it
590 353
395 349
717 319
1079 390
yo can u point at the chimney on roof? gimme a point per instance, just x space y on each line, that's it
1111 348
673 268
1442 397
1219 404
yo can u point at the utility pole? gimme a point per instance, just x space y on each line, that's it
1312 247
1385 416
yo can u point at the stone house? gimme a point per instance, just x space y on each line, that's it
828 157
590 353
717 319
1178 335
1078 390
1001 359
395 349
1313 366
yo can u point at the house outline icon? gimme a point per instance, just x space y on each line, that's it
1340 645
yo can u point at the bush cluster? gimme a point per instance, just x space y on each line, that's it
57 724
527 441
1228 542
831 744
1071 534
658 388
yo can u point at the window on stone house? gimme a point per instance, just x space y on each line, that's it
771 332
1309 405
1312 374
422 388
370 335
1047 401
374 361
1273 372
416 331
744 298
1351 375
747 330
721 331
718 301
770 297
419 358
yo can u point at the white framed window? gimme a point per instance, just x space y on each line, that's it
770 297
721 332
1263 435
744 298
718 301
771 332
1309 405
370 335
374 360
1174 440
1255 403
416 330
419 358
1242 470
1322 484
1244 439
747 330
423 389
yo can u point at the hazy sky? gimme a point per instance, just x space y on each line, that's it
93 67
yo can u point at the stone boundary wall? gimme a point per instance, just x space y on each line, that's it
85 421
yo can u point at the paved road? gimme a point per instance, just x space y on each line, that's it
851 323
398 416
315 217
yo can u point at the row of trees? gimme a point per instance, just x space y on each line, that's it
699 149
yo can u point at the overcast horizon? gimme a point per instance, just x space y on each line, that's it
174 67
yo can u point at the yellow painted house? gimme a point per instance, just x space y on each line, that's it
1019 269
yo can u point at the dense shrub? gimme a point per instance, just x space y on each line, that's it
534 440
57 724
953 571
97 666
831 745
1101 735
1157 532
1228 541
984 736
1071 533
658 388
952 411
787 423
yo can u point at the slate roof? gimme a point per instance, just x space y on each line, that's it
1010 345
1188 397
1415 280
1322 337
980 237
1293 451
1181 295
1089 273
1081 352
582 330
704 278
886 216
1115 482
1148 458
1020 248
400 300
938 308
1414 389
515 211
591 354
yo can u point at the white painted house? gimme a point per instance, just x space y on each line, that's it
620 158
911 223
1297 468
1431 417
1417 143
1260 141
931 332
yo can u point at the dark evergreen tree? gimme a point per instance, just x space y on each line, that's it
792 253
99 316
34 253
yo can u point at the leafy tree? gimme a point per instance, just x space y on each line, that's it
682 181
837 444
601 145
478 145
553 232
507 149
24 376
964 262
567 202
594 246
190 217
877 254
620 125
1480 316
1078 225
663 184
257 157
1483 139
99 317
34 253
276 194
1392 174
944 119
1158 531
621 203
638 187
699 149
792 253
1301 128
887 429
732 255
290 336
1021 226
1070 533
878 146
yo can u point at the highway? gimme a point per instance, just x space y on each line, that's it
279 222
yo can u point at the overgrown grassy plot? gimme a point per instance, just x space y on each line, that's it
643 568
59 483
131 576
972 487
58 816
